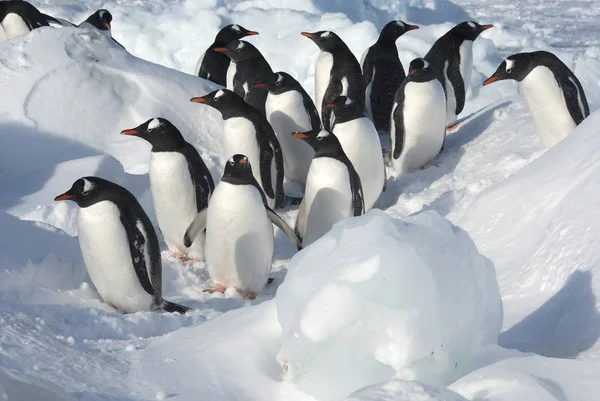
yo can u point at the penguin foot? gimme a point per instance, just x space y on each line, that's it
248 294
284 369
186 260
219 288
452 128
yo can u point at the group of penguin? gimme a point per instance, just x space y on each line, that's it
273 131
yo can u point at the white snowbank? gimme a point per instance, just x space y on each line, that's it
372 298
19 387
401 390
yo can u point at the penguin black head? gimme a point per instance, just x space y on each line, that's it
101 19
160 132
519 65
232 32
238 170
326 40
87 191
279 82
221 99
420 70
322 141
470 30
345 109
238 50
394 29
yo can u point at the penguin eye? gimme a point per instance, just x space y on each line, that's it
232 163
508 70
319 138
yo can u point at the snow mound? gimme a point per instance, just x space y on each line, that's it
21 387
413 297
401 390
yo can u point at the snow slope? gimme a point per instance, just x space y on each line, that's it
529 210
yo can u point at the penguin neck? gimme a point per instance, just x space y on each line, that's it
332 151
171 143
386 40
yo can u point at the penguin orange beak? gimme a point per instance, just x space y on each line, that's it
129 132
412 72
251 33
107 25
491 80
331 105
198 100
486 27
63 197
412 27
260 85
243 161
308 35
299 135
221 49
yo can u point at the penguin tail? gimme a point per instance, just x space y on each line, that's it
172 307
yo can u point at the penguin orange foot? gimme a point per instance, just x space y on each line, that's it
218 288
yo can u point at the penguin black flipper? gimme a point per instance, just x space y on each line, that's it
367 70
50 20
238 87
196 227
398 117
300 217
200 175
138 247
283 226
333 91
114 40
315 120
574 96
172 307
358 200
279 193
458 84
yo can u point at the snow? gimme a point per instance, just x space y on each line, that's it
69 92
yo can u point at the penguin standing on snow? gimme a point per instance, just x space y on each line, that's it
337 73
418 123
553 93
452 57
239 231
382 74
360 142
19 17
248 66
119 246
213 65
290 109
333 188
180 182
100 20
246 131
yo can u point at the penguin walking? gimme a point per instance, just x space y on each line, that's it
180 182
290 109
19 17
452 57
239 231
119 246
337 73
246 131
248 66
333 188
360 142
553 93
383 73
214 65
418 123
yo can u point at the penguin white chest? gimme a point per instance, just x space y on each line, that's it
105 249
466 62
322 77
361 143
239 238
547 105
174 196
450 97
424 125
286 114
328 198
14 26
231 70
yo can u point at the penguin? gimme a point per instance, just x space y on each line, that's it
19 17
382 74
100 20
333 188
553 93
213 65
247 131
418 123
290 109
337 73
180 182
360 142
247 67
239 232
119 246
452 57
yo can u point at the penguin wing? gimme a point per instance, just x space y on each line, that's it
458 84
358 200
278 153
61 22
398 123
203 181
267 153
311 110
384 177
283 226
300 220
196 227
114 40
367 70
574 97
238 86
334 89
138 247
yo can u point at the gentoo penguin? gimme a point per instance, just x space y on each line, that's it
119 246
382 74
360 142
333 187
19 17
248 66
337 73
452 57
213 65
180 182
290 109
247 131
239 234
553 93
100 20
418 123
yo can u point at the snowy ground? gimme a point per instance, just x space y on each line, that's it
531 211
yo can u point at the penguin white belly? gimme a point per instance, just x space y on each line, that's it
424 125
393 126
361 143
239 238
466 62
322 77
14 26
368 109
450 98
547 105
231 70
286 114
328 198
105 249
174 196
2 34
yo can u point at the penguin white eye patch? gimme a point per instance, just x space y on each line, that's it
472 25
509 65
155 123
239 46
219 94
325 34
236 28
87 185
323 134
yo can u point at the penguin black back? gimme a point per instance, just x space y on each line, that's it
33 17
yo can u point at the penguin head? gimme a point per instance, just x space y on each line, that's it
87 191
238 50
394 29
160 132
238 167
326 40
322 141
345 109
420 70
279 82
101 19
519 65
232 32
470 30
220 99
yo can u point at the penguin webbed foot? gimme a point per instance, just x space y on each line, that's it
218 288
452 128
247 294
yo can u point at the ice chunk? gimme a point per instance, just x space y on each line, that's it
401 390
